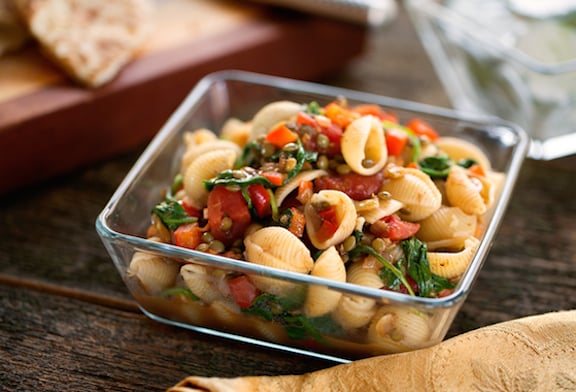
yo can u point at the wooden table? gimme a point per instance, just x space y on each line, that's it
68 323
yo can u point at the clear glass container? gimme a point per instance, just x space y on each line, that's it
124 220
515 59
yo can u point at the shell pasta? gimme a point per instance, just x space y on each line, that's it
346 194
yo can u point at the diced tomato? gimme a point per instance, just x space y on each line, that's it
340 115
260 199
422 128
394 228
334 133
275 178
328 223
224 203
357 186
281 135
188 235
190 210
303 118
243 290
412 283
396 140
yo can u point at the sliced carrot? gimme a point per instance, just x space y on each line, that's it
477 169
304 191
306 119
297 222
422 128
340 115
275 178
281 135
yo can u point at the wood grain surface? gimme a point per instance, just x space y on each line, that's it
68 323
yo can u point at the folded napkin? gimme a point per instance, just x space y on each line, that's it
536 353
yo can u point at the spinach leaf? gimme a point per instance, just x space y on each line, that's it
396 272
227 178
175 291
417 266
283 310
313 108
436 167
172 214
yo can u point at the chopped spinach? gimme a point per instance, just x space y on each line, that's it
283 310
172 214
417 266
313 108
183 291
436 167
398 273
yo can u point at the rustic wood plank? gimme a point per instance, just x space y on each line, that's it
54 343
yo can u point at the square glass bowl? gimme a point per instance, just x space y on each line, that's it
514 59
123 223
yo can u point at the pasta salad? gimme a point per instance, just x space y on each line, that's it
341 192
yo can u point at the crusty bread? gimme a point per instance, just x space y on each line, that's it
13 33
91 40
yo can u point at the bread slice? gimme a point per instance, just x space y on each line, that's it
92 40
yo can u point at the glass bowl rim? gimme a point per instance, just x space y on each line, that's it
107 234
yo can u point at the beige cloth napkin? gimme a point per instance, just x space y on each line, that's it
536 353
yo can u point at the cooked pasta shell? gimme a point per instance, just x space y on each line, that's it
236 131
277 247
365 274
364 146
152 272
308 175
416 191
398 329
205 167
472 194
269 331
345 217
354 311
386 207
447 227
272 114
457 149
198 136
198 280
453 264
196 151
322 300
226 313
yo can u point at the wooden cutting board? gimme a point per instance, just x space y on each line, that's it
50 126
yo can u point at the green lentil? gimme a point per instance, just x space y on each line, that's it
343 169
378 245
207 237
323 162
226 223
349 243
323 141
217 246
